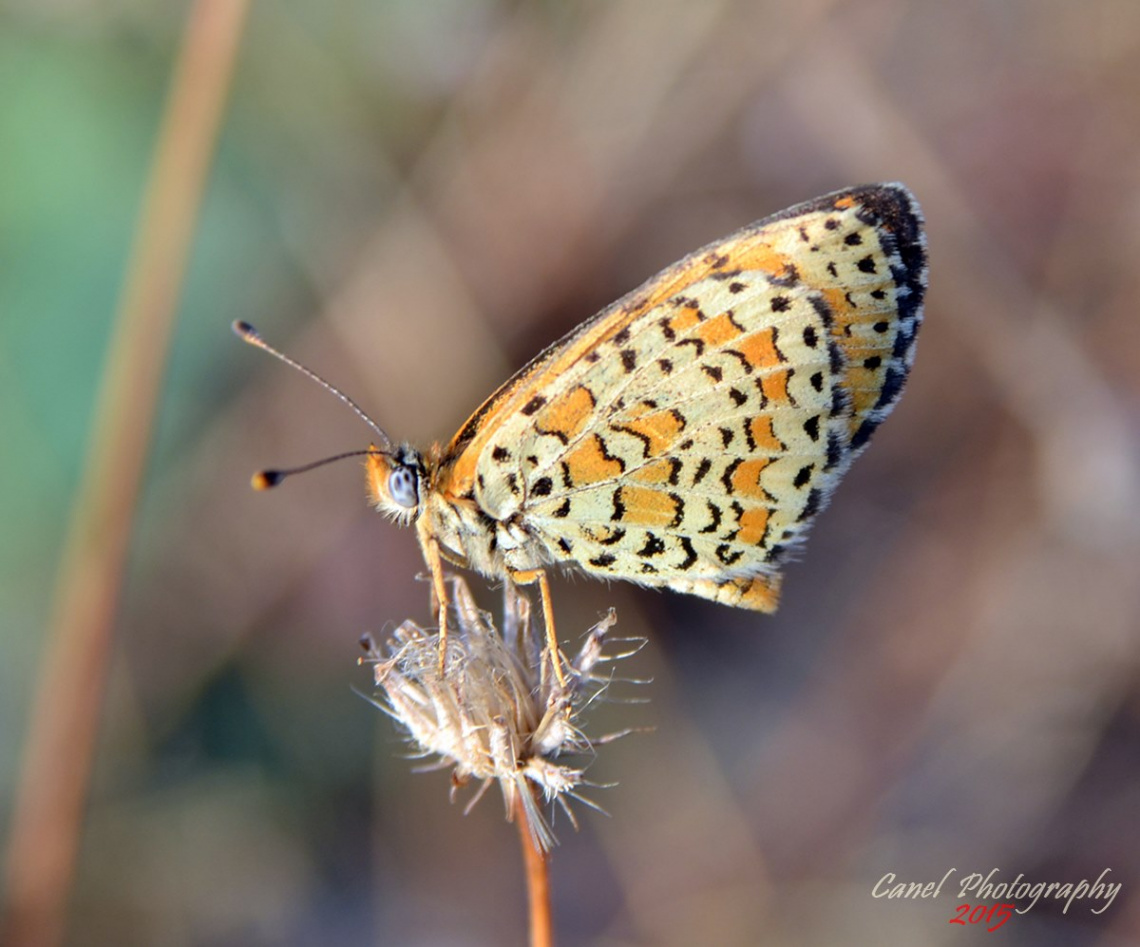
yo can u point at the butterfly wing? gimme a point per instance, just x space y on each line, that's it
687 435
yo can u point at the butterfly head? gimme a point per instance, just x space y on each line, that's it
396 480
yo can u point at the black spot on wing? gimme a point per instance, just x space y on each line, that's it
726 477
678 510
834 357
863 434
690 555
834 450
646 440
788 387
904 339
561 435
811 507
654 546
744 361
892 386
840 402
725 554
822 309
619 506
715 514
788 277
533 405
780 356
603 449
615 536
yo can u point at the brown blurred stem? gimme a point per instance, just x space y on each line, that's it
58 756
537 865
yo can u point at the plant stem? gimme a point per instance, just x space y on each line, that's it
537 864
60 750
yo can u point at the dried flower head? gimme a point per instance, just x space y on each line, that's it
497 712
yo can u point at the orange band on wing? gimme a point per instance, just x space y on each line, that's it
567 414
763 436
589 462
753 525
759 349
646 507
746 478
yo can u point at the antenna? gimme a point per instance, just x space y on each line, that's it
267 479
247 333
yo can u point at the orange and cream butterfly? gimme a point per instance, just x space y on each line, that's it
686 436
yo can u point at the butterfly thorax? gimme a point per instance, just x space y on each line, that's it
472 532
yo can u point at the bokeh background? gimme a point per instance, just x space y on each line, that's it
414 196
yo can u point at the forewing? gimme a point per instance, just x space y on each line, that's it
688 435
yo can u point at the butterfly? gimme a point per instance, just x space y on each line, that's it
686 436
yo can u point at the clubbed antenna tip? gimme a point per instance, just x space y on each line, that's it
267 479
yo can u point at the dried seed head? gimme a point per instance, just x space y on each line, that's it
497 712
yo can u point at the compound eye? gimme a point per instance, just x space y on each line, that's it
402 487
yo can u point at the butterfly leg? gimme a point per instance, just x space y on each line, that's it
430 546
539 576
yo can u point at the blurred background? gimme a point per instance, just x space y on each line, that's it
415 196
